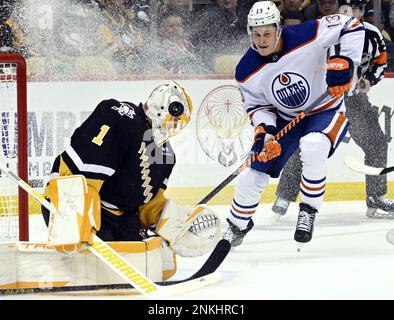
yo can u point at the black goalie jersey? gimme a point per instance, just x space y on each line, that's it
114 150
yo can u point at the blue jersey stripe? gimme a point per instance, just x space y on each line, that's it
250 63
294 36
268 106
285 115
343 32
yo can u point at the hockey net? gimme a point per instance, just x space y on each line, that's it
13 152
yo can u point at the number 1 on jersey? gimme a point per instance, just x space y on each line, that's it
99 139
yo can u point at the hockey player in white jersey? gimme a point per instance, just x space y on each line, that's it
284 72
364 126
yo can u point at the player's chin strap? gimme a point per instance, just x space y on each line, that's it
278 34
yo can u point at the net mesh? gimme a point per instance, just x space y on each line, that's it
9 225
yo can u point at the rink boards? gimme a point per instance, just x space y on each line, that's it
56 108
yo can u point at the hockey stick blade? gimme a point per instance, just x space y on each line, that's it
171 288
204 276
357 166
213 262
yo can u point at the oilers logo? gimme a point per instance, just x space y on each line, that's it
291 90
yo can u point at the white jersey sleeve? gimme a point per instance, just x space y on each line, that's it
258 109
346 31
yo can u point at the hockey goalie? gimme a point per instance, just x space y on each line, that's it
111 180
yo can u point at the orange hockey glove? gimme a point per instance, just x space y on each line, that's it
264 147
338 77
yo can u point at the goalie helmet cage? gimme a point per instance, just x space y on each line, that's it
13 111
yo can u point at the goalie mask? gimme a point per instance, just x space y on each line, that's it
169 107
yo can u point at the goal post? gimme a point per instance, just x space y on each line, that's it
14 151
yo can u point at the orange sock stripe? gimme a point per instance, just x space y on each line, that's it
312 189
241 211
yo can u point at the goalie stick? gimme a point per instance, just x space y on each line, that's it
357 166
212 263
129 272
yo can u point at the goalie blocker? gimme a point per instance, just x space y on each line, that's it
187 231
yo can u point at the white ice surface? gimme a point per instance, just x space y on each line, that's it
348 258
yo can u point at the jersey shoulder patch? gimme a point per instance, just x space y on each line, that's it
125 116
112 107
124 109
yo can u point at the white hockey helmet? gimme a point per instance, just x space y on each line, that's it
169 107
263 13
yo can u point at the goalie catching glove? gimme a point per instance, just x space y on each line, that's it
76 213
190 232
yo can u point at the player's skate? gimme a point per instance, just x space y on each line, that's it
280 207
375 203
304 228
234 235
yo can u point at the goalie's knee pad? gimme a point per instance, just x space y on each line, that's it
75 215
189 231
